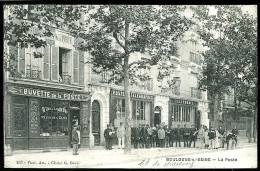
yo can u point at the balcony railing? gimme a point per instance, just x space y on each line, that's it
33 73
172 90
195 93
65 78
104 77
144 85
196 58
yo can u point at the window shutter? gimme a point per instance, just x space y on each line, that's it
81 68
21 61
13 50
76 67
55 63
46 62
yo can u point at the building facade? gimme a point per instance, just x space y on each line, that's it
59 89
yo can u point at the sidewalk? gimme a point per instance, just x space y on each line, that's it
99 156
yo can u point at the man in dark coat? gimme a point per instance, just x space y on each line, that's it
108 137
154 135
186 135
192 137
167 136
171 136
212 137
75 140
235 133
178 135
136 137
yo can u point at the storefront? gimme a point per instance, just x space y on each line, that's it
141 108
183 112
40 117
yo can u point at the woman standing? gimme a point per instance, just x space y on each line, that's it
217 145
206 138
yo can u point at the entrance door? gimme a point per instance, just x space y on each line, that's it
20 123
74 117
157 116
96 122
197 120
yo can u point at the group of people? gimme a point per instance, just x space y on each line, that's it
214 138
145 136
161 136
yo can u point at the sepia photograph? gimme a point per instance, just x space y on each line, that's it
130 86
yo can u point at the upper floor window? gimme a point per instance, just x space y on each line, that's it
64 67
194 56
33 62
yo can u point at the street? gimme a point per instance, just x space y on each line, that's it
245 156
238 158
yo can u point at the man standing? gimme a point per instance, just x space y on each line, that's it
200 137
136 137
192 137
121 136
161 136
150 133
172 136
167 136
178 135
212 137
186 136
235 133
75 140
107 135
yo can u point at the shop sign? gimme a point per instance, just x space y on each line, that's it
186 102
132 95
47 94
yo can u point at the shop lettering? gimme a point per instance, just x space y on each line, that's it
54 117
133 95
184 102
47 94
45 109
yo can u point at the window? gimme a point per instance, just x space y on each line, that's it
183 113
54 118
138 110
120 108
64 67
173 50
33 63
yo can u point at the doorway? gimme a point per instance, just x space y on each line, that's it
197 120
157 116
20 123
96 122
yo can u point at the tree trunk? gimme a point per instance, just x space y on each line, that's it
235 100
127 149
215 111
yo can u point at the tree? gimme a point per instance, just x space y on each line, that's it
231 58
29 25
143 29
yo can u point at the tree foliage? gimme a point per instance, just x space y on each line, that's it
153 29
231 59
29 25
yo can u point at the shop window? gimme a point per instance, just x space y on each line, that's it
120 108
54 118
183 113
64 66
138 110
